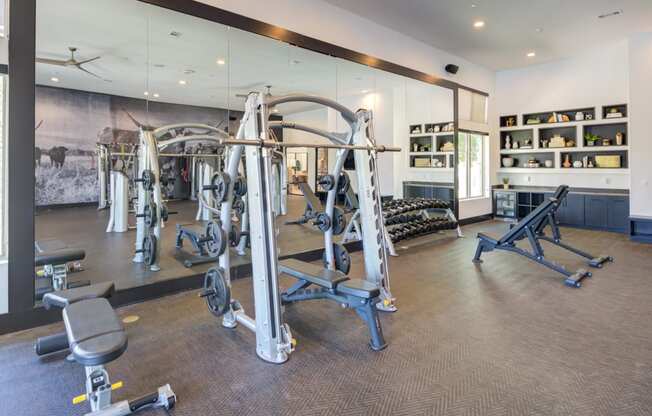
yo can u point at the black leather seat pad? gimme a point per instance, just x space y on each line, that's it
95 334
63 298
360 288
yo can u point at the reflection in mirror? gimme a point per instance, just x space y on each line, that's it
96 151
4 287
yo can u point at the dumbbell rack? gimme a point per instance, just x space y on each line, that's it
411 218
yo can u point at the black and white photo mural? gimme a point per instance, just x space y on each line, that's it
69 124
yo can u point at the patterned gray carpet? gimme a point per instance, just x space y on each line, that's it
505 338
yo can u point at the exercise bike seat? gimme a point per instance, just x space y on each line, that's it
95 334
59 256
63 298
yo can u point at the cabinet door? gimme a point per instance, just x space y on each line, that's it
595 211
618 213
575 211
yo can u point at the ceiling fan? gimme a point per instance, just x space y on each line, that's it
72 62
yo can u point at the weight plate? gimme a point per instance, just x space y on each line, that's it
148 179
150 244
240 186
218 298
220 186
149 214
216 245
323 221
341 257
238 206
327 182
343 183
339 221
164 213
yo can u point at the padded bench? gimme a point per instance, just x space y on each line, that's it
95 336
360 295
55 269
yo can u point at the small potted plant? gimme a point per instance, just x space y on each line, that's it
505 183
591 139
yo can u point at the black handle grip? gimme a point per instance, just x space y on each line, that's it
143 401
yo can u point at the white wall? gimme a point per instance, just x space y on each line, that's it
317 118
640 126
595 78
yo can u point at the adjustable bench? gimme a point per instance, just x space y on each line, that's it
527 228
55 269
95 336
551 220
358 294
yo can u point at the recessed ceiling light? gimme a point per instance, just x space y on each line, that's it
54 79
364 91
539 29
221 61
175 34
478 24
531 54
146 93
275 110
156 95
474 5
189 71
182 82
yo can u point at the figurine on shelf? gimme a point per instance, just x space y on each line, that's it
579 116
544 143
606 142
515 145
508 142
567 163
510 121
590 164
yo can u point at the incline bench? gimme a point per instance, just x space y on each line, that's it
95 336
358 294
527 228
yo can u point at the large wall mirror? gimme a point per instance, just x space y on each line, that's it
98 81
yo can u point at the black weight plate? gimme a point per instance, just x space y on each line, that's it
339 221
148 179
238 206
341 257
216 245
149 214
220 186
327 182
323 221
219 299
240 186
149 249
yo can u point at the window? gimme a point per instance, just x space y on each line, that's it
471 165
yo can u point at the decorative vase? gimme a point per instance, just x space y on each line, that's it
619 138
579 116
508 162
508 142
578 164
548 163
515 145
590 143
567 163
505 186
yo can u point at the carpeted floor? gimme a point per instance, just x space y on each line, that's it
504 338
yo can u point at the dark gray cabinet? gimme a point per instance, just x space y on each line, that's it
618 213
571 211
595 211
603 212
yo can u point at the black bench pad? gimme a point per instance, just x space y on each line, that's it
360 288
59 256
319 276
63 298
95 334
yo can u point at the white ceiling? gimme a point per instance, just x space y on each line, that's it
138 54
568 26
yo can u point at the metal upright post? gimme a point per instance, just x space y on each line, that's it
371 214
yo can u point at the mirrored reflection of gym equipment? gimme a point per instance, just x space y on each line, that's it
274 340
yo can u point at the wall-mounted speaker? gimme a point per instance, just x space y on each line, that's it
451 68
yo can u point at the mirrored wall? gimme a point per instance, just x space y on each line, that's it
108 67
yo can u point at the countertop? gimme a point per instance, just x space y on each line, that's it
551 189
